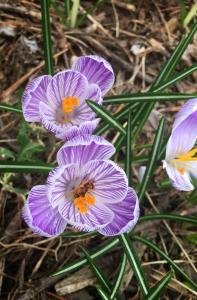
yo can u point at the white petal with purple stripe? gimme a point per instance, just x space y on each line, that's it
97 70
40 216
84 148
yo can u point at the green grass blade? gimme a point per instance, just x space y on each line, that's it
10 108
128 149
134 262
106 286
118 144
159 288
153 158
24 167
74 12
175 57
46 30
99 251
180 76
175 267
149 97
103 294
110 244
155 217
118 116
165 75
118 281
105 115
160 88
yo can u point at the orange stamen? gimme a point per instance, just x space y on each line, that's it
68 103
82 203
90 200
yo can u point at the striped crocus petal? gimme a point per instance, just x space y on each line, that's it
63 182
180 161
84 148
110 181
35 92
181 182
184 134
97 70
40 216
126 214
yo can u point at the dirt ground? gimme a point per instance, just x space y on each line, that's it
136 37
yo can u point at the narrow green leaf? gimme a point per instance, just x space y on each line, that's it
99 251
105 115
134 262
175 57
153 158
165 75
10 108
128 149
178 77
149 97
175 267
118 144
103 294
168 217
159 288
24 167
46 30
105 284
74 13
118 116
119 278
110 244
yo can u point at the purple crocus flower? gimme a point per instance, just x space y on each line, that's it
86 190
181 158
58 102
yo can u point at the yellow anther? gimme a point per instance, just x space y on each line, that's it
189 156
68 103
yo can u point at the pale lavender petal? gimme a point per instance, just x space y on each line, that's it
83 112
97 70
183 138
67 83
85 128
40 216
94 93
126 214
82 149
186 110
48 115
179 181
35 92
109 180
61 182
97 217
